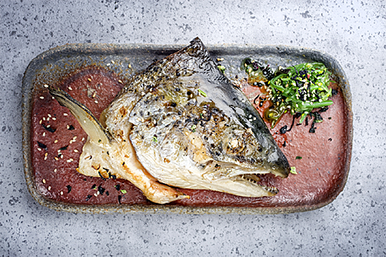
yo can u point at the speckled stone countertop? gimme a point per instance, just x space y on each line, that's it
353 32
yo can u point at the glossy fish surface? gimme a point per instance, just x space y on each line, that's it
180 123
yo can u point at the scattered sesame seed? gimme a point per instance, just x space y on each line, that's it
129 65
70 160
39 149
61 192
45 156
89 79
65 114
49 115
40 122
76 151
96 101
70 88
49 188
53 118
44 118
55 170
112 62
45 85
82 138
44 181
55 141
120 81
61 156
56 158
42 97
44 134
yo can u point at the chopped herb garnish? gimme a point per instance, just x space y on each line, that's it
202 93
155 140
298 157
123 191
293 170
193 128
221 68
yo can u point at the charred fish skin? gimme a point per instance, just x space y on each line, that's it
192 128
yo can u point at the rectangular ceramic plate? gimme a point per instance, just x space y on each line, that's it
53 64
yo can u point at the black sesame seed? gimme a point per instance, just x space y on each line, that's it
101 189
50 129
88 197
63 148
69 188
41 145
71 127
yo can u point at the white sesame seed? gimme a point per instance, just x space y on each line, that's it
65 114
42 97
61 192
61 156
120 81
44 181
53 97
44 118
49 115
56 158
55 170
76 151
55 141
39 149
89 79
53 118
40 122
45 156
45 85
49 188
82 138
70 160
70 88
112 62
44 134
96 101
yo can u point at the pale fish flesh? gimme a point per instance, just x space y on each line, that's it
180 124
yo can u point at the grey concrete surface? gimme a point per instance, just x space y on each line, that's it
351 31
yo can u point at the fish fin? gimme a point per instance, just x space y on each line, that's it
86 119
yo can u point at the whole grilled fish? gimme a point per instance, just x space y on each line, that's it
180 123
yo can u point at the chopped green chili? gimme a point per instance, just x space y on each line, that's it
202 92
